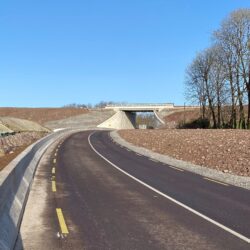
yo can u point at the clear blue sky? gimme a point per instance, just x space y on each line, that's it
55 52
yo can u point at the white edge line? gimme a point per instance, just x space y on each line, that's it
242 237
151 159
218 182
179 169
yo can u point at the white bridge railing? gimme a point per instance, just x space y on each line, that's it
140 106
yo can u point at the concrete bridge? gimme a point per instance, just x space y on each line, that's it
141 107
125 116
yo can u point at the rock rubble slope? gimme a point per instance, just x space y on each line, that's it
11 142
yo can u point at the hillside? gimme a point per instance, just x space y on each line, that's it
15 135
173 119
42 115
89 120
54 118
12 145
4 129
20 125
177 117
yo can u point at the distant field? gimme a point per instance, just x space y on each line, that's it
42 115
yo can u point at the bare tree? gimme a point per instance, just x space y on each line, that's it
199 77
220 75
233 36
195 89
217 77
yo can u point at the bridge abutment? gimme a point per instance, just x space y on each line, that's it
120 120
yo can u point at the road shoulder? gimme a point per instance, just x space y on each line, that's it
239 181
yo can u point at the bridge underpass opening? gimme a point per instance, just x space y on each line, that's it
146 120
128 119
126 116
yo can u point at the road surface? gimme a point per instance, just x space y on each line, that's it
91 193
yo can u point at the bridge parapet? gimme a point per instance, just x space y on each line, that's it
141 107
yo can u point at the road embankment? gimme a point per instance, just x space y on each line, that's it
12 145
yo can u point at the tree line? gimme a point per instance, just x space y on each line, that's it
218 79
101 104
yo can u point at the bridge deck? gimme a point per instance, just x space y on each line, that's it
141 107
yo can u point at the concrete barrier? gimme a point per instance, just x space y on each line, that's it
15 183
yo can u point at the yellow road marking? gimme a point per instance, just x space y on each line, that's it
54 161
53 186
224 184
53 170
61 220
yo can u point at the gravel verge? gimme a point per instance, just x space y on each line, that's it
239 181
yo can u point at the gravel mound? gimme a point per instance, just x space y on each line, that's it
21 125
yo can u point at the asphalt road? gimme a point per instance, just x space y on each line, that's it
90 193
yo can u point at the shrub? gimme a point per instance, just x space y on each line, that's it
197 123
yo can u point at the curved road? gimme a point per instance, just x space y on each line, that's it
90 193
